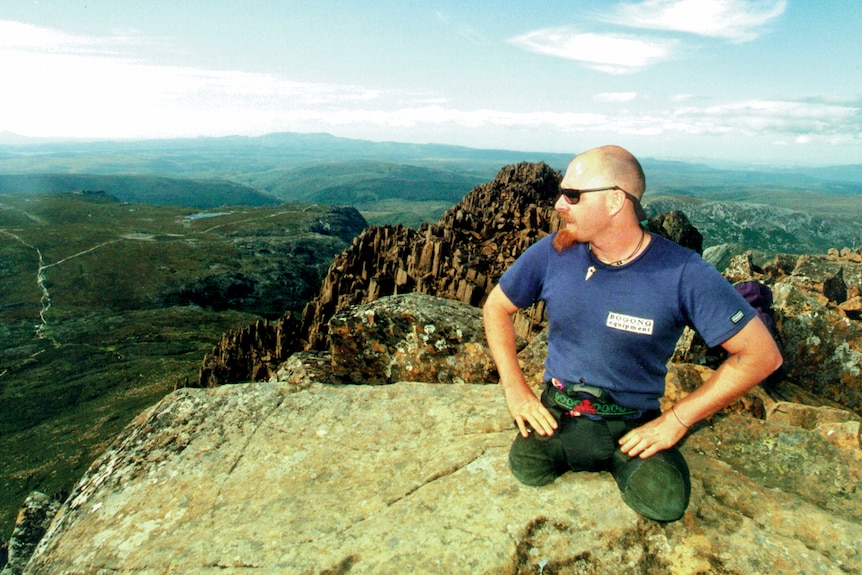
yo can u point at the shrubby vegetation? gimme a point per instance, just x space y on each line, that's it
134 296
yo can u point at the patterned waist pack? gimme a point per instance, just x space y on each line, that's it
577 400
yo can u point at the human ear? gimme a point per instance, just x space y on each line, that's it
615 202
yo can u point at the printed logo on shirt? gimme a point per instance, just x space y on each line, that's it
737 317
630 323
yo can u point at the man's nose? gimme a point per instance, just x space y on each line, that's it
562 205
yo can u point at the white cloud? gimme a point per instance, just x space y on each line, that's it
621 53
69 86
801 121
60 84
436 115
17 35
682 97
737 20
825 123
616 97
612 53
22 37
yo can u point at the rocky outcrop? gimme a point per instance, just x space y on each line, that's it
675 226
459 258
414 337
33 520
301 476
247 354
822 346
304 474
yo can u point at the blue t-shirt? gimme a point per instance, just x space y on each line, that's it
615 327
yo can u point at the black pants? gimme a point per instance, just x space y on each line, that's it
658 487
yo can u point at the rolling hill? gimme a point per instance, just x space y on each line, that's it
144 189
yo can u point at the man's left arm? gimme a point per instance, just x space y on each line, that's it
752 357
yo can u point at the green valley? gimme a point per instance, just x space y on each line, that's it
105 306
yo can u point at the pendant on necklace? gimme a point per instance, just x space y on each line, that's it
590 271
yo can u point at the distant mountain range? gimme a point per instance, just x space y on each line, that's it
237 156
396 183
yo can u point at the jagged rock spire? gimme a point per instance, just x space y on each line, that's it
460 258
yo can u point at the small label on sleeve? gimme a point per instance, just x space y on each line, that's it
737 317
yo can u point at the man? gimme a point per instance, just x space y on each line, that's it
617 300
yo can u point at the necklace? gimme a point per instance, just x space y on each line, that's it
630 256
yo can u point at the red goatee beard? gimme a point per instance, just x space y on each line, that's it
565 238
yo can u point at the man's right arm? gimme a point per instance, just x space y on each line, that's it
523 404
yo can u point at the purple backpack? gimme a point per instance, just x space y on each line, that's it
759 296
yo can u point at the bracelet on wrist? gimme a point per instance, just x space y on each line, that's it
673 409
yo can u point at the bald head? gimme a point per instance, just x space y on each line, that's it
609 165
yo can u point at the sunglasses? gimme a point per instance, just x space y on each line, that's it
573 196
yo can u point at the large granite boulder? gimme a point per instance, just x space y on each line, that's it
411 337
822 346
412 478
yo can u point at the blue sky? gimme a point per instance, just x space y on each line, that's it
773 81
